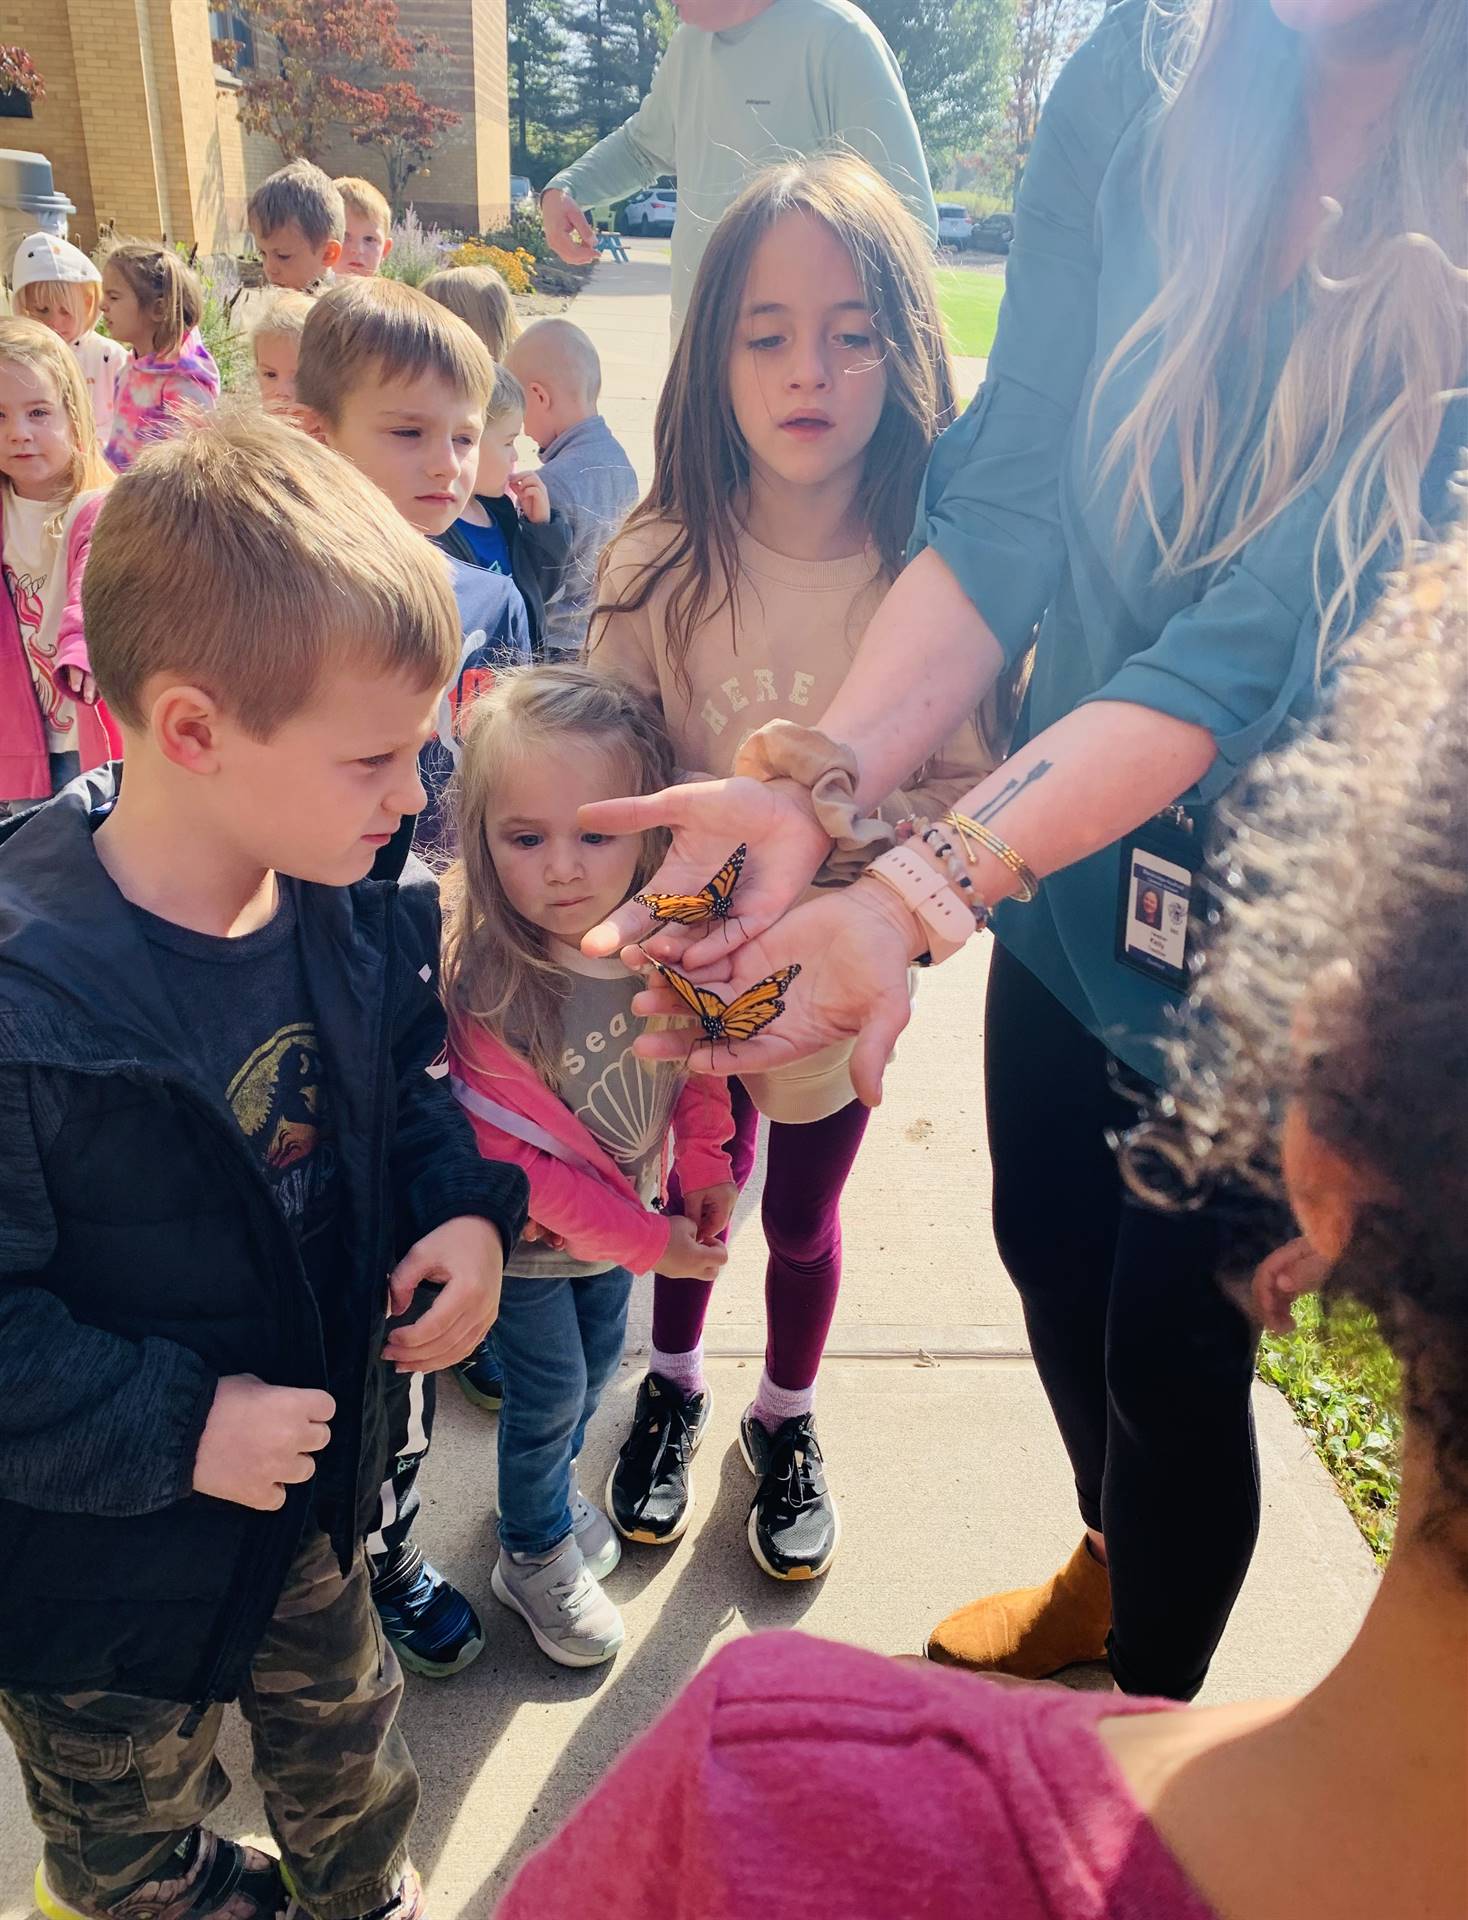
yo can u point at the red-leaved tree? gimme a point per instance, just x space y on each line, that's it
18 74
339 69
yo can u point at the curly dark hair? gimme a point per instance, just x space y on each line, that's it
1336 973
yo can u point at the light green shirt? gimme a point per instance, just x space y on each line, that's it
803 76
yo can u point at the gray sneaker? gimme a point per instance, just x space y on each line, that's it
558 1598
595 1535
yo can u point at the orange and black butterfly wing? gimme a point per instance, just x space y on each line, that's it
686 909
721 888
706 1006
753 1011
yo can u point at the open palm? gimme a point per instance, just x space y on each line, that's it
709 819
853 950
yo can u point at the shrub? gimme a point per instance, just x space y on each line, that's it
513 268
417 251
524 234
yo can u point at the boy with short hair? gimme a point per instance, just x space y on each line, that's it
217 1135
508 524
275 341
400 386
368 238
297 220
588 477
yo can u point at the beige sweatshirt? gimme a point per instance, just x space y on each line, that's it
799 624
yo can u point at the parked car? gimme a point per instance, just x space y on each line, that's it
955 226
654 210
520 190
993 233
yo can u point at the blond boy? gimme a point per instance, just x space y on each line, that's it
588 478
297 220
215 1141
400 386
368 238
275 341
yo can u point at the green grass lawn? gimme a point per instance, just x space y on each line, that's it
970 304
1342 1384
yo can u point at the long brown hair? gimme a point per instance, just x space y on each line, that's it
497 971
701 460
1382 338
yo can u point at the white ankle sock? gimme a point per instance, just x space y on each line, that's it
682 1370
773 1404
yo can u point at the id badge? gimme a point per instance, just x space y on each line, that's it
1159 869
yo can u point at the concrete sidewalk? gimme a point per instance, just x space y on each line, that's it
940 1445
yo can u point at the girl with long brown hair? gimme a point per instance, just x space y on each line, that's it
808 385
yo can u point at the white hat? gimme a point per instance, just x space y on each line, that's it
41 256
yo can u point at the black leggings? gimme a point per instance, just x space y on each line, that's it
1146 1362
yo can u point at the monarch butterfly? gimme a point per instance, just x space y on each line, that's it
710 902
729 1020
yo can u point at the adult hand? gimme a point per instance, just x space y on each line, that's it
710 1209
258 1440
567 228
465 1258
686 1257
710 818
853 948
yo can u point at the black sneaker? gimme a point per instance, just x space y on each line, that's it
794 1528
650 1492
433 1627
479 1377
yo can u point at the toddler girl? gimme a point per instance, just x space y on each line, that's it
58 285
52 482
540 1049
808 384
275 342
153 303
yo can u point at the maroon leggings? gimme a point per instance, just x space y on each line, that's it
805 1172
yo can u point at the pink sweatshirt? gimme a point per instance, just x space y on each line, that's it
25 770
576 1188
795 1778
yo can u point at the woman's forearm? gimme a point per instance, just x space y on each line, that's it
926 659
1083 783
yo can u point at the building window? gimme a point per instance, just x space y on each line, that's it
15 105
227 23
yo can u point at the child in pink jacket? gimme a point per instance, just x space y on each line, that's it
540 1052
52 484
153 303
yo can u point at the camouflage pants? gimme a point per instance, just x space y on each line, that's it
114 1781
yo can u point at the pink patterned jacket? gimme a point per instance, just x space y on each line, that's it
157 393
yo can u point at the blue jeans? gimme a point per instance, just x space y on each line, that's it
559 1343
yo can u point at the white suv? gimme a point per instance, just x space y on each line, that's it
654 211
955 226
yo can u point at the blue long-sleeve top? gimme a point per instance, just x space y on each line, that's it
1013 504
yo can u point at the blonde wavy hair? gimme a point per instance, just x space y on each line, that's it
497 971
44 354
1382 341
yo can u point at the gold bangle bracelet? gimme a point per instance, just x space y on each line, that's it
976 832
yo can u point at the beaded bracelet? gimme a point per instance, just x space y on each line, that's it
952 865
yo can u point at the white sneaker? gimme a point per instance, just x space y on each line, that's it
595 1535
558 1598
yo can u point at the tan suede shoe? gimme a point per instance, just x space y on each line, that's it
1033 1631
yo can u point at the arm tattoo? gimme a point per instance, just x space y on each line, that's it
1011 790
